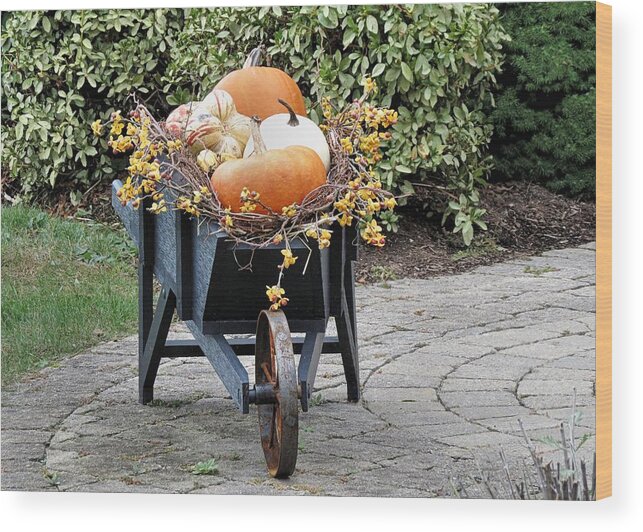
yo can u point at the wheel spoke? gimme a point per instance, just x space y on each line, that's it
273 423
267 373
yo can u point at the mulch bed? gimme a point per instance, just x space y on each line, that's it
523 219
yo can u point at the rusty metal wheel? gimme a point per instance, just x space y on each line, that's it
276 389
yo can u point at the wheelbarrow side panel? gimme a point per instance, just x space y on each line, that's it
240 276
226 295
164 239
165 248
204 248
126 213
183 253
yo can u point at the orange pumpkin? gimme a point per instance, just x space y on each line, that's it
256 89
281 177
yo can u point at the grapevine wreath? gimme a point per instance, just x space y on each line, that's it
247 158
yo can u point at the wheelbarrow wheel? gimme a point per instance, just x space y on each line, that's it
275 371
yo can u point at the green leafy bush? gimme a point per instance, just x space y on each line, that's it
435 64
545 117
61 70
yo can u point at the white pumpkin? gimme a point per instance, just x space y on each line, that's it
214 124
289 129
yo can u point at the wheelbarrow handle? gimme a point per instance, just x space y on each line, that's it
127 213
117 184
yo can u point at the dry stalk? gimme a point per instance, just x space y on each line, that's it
566 480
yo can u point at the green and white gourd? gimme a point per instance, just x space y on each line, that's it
212 124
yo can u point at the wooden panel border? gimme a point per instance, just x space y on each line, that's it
603 250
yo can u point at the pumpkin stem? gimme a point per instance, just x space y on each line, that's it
257 139
254 57
293 121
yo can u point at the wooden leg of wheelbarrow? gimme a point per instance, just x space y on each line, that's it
148 362
348 346
310 352
145 281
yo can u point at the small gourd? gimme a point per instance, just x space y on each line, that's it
213 124
178 119
208 160
289 129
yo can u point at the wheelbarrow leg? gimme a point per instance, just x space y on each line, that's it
347 333
149 360
342 306
145 276
308 362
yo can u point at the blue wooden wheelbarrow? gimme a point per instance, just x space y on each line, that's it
197 266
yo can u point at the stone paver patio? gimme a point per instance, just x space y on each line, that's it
448 366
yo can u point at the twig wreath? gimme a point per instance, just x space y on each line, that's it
161 167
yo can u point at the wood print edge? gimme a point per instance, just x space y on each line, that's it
603 250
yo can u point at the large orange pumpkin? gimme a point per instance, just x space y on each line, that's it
256 89
281 177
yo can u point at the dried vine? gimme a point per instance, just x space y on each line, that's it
163 169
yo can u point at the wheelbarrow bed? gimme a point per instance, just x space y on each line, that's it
219 284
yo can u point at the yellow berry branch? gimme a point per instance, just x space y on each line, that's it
161 168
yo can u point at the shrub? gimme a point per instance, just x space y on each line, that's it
63 69
436 64
545 116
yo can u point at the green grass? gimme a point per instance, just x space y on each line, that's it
66 285
483 246
209 467
539 271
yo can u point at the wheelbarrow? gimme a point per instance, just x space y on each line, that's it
198 268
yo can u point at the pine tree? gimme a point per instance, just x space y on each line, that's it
545 112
